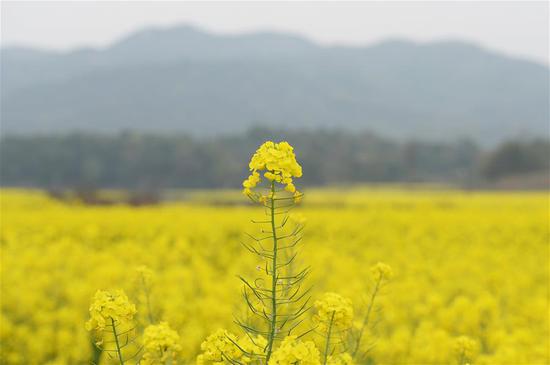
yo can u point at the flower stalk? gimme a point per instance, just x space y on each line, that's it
278 305
327 341
117 344
274 278
367 317
381 273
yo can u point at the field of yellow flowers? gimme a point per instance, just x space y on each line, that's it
464 264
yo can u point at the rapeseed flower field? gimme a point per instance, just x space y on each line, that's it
365 276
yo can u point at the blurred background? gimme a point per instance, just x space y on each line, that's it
148 97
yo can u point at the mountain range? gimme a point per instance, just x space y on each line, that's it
185 80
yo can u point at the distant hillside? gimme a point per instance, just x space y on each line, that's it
185 80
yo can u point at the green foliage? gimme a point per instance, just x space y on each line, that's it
151 162
515 158
276 298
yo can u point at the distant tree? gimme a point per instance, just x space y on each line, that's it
514 158
144 162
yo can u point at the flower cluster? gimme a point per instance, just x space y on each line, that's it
293 351
218 347
465 349
333 309
279 163
253 348
160 344
382 271
108 307
223 346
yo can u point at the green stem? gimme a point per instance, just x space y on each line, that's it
273 324
327 343
118 350
367 316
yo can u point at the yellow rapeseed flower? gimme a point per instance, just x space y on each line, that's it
110 306
160 344
335 309
222 346
293 351
218 347
279 163
254 347
382 271
465 349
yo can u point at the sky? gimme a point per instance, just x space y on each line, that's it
519 29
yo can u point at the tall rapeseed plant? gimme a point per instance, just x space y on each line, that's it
277 300
278 305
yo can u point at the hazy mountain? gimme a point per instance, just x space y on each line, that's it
183 79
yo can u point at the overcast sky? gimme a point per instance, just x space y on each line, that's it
516 28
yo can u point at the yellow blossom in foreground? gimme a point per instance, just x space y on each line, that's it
108 307
222 346
218 347
335 309
160 344
251 182
279 163
293 351
253 347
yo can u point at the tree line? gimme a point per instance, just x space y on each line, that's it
151 162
